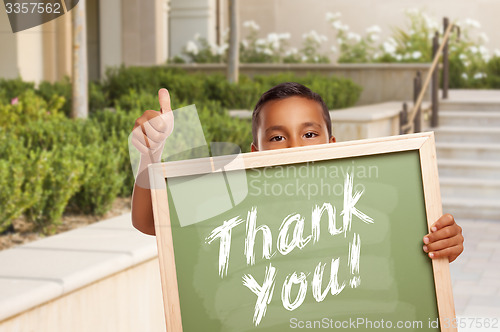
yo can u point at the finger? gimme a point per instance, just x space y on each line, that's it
152 134
443 244
444 233
451 253
146 116
445 220
163 123
164 99
140 144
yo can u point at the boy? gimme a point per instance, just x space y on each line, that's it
287 115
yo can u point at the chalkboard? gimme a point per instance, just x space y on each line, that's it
326 236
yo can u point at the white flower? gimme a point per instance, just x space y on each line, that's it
412 11
478 76
466 63
315 58
340 41
313 35
191 47
334 49
496 52
274 40
399 57
389 47
345 27
355 36
416 55
292 51
374 29
484 37
473 49
483 50
285 35
430 23
304 58
267 51
465 76
245 43
407 56
333 16
214 49
251 25
462 57
376 56
222 49
411 32
337 25
374 37
260 42
472 23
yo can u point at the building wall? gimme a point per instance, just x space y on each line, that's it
8 52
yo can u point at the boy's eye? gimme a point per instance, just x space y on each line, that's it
310 135
277 138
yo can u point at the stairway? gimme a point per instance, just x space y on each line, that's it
468 152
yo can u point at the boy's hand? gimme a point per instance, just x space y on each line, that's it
150 131
152 128
445 239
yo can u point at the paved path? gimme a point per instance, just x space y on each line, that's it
476 273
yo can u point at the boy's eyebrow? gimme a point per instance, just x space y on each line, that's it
311 124
277 127
303 125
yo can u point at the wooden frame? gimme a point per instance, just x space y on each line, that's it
422 142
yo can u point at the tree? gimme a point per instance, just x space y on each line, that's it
79 67
233 62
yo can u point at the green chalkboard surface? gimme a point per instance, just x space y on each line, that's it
325 243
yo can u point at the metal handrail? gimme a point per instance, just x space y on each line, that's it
409 126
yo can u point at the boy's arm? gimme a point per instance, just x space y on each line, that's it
445 239
150 131
142 207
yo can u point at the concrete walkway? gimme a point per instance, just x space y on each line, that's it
476 273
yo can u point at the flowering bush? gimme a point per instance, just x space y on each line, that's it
468 56
272 49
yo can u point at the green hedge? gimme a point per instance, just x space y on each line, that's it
122 82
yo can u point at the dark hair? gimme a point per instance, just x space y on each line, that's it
286 90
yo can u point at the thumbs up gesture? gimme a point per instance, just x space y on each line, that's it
150 131
152 128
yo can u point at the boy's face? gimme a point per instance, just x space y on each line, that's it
291 122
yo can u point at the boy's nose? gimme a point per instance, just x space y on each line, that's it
293 142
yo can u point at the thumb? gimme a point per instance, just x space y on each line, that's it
164 99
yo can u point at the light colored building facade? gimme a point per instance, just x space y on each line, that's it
148 32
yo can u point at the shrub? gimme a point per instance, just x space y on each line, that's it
493 73
10 89
62 181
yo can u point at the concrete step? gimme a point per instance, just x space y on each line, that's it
471 151
463 208
470 188
470 169
469 105
467 134
468 118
